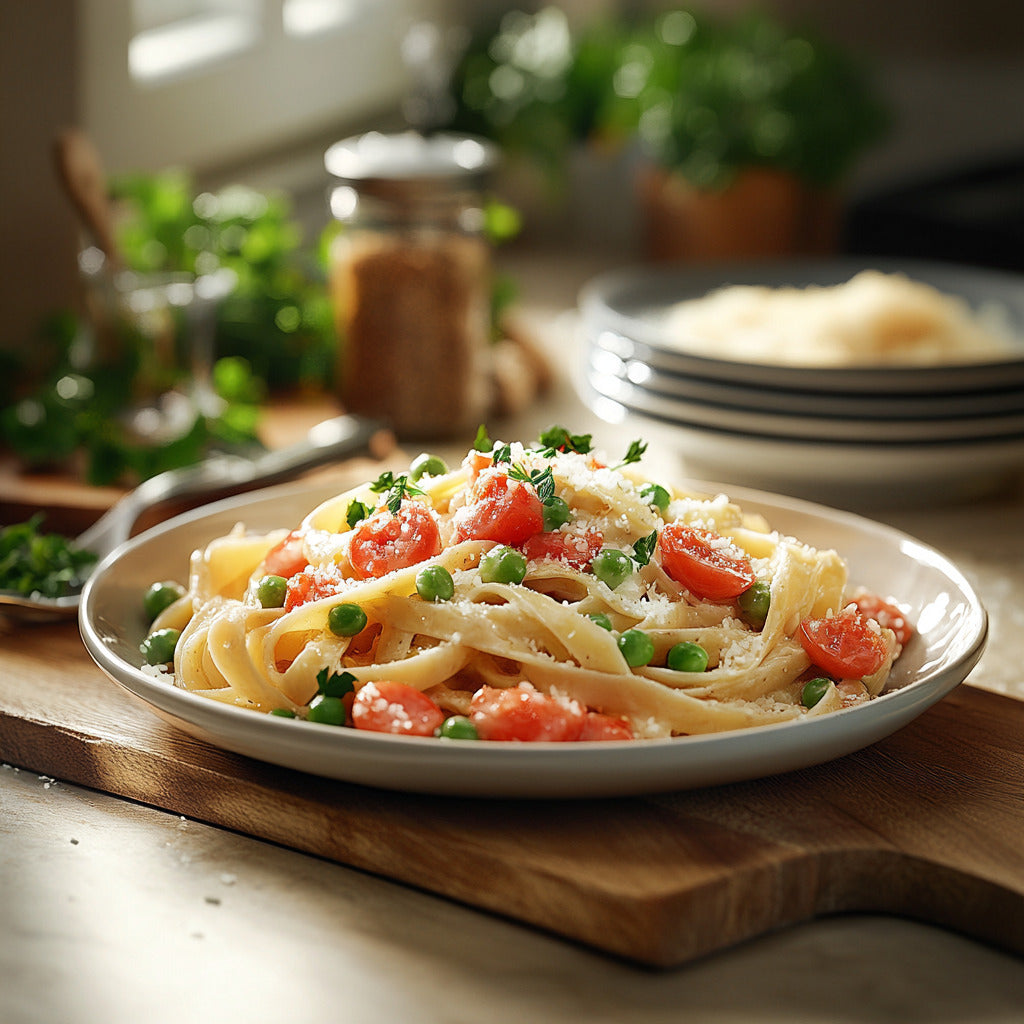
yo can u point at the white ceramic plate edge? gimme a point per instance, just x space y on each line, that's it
523 770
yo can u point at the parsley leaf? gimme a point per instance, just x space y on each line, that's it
635 454
356 513
558 439
331 684
503 453
643 549
483 442
397 488
45 563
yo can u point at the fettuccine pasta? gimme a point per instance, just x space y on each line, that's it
530 593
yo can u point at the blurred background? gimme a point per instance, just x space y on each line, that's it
902 124
254 90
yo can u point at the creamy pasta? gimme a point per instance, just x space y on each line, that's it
532 592
874 319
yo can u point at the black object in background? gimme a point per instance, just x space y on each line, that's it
971 216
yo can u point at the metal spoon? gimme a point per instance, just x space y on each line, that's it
329 441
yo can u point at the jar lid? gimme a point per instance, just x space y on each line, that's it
407 158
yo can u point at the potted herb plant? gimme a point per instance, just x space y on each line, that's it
747 128
751 129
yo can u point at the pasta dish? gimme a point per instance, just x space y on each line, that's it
874 319
534 592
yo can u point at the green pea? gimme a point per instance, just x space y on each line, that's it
687 657
158 647
435 583
503 565
160 597
326 710
612 567
346 619
636 647
656 496
283 713
271 591
556 513
458 727
602 620
755 601
814 690
427 465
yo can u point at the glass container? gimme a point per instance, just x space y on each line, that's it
410 280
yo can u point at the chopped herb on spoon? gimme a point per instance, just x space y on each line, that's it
46 564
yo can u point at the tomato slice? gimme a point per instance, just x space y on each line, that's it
847 646
388 541
500 509
597 726
476 462
524 714
397 708
573 549
704 562
885 613
311 585
287 557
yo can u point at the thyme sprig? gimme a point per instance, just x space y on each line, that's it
543 480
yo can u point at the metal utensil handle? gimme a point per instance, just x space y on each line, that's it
330 440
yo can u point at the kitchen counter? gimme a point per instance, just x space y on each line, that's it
115 911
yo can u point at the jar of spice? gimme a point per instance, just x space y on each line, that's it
410 280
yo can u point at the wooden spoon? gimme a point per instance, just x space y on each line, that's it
81 173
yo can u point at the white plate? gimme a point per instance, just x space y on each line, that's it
860 476
952 632
608 354
634 302
696 412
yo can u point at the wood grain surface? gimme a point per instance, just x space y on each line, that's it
926 824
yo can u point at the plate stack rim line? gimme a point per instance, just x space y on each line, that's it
895 406
933 443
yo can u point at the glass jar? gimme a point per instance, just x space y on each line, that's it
148 338
410 280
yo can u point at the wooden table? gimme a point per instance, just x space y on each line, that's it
118 908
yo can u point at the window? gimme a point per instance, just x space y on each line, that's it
202 83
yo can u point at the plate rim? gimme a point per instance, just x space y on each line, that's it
638 767
598 311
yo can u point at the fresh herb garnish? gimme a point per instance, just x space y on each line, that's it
543 481
635 454
356 513
331 684
396 488
558 439
643 549
47 564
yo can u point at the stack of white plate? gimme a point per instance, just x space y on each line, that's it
864 434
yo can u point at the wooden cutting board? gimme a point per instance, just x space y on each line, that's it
927 824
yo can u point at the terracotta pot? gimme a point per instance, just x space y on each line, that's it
763 214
